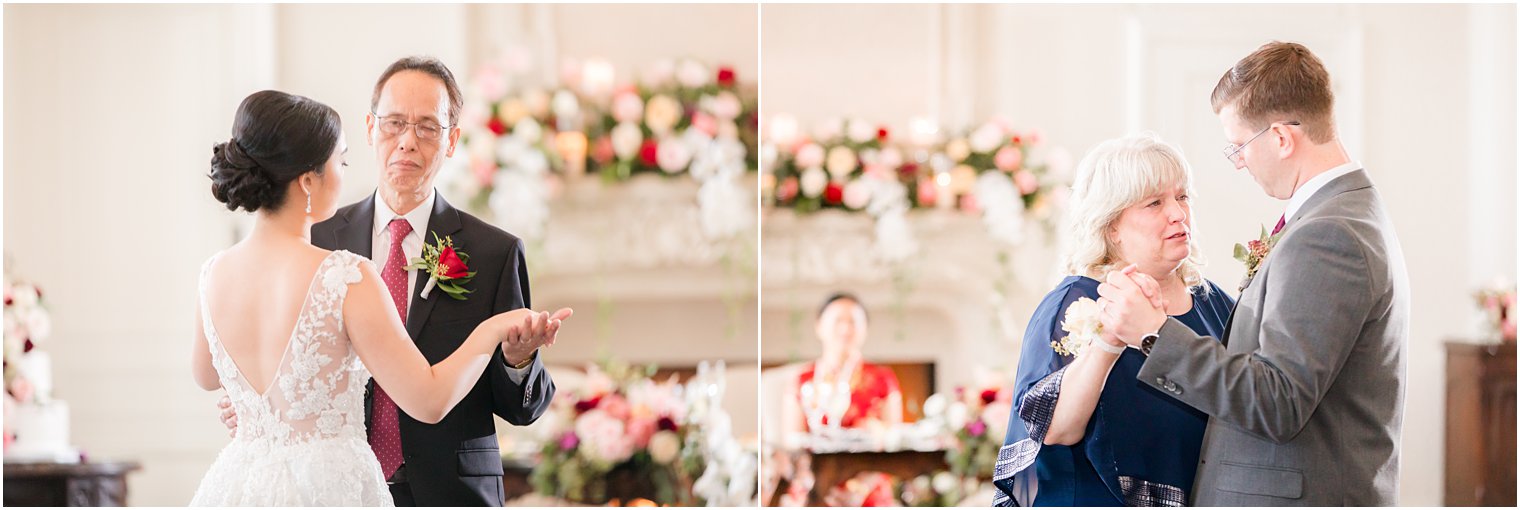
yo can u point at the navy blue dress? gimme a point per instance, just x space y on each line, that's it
1141 446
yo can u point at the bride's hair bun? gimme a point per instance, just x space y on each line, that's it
237 180
276 137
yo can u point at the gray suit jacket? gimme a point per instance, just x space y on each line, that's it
1306 395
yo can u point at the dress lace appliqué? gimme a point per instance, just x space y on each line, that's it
302 442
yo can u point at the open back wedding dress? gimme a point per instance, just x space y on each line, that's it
301 441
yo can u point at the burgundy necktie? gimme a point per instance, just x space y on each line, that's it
1281 221
385 427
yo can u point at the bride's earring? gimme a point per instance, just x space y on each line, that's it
308 202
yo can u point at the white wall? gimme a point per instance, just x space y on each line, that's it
1425 100
111 112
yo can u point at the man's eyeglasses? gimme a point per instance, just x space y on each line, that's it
426 130
1232 150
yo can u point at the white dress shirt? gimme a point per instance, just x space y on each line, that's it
411 247
1313 185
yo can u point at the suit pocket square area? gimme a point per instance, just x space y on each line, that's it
1261 480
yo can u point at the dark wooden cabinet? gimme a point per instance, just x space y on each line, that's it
1480 424
82 484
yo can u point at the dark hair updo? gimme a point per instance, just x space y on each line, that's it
842 296
276 137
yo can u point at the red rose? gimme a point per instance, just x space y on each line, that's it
726 76
989 396
450 264
908 170
1016 139
834 194
587 405
497 126
650 152
881 134
666 423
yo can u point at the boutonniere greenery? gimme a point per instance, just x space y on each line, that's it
445 266
1253 253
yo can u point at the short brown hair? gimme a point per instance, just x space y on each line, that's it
1280 79
433 67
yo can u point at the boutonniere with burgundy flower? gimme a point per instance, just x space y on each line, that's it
1253 253
445 266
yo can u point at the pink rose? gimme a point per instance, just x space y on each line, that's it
627 107
615 406
1026 181
1008 158
640 430
809 156
928 193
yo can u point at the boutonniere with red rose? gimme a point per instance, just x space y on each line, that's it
1254 253
445 266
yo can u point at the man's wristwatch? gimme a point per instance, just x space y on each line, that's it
527 362
1147 342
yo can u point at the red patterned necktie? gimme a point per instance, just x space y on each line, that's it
1281 221
385 427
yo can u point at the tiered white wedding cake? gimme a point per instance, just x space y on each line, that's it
38 422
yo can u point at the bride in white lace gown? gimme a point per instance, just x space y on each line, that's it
293 333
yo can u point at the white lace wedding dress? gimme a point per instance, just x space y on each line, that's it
301 441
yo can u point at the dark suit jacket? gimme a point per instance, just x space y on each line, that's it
456 461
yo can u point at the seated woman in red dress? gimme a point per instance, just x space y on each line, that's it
841 389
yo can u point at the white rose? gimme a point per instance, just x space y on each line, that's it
857 194
986 138
627 107
510 148
890 157
861 131
662 113
726 106
813 182
39 324
944 482
566 105
528 130
809 155
935 405
672 155
664 447
626 139
956 415
693 74
24 295
841 162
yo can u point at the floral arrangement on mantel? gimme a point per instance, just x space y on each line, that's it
1003 174
676 118
1497 302
27 326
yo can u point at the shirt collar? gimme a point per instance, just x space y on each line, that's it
418 217
1310 187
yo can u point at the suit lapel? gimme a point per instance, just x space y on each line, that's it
444 221
357 234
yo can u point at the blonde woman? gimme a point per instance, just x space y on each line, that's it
1083 431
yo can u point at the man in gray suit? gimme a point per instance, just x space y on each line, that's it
1306 392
